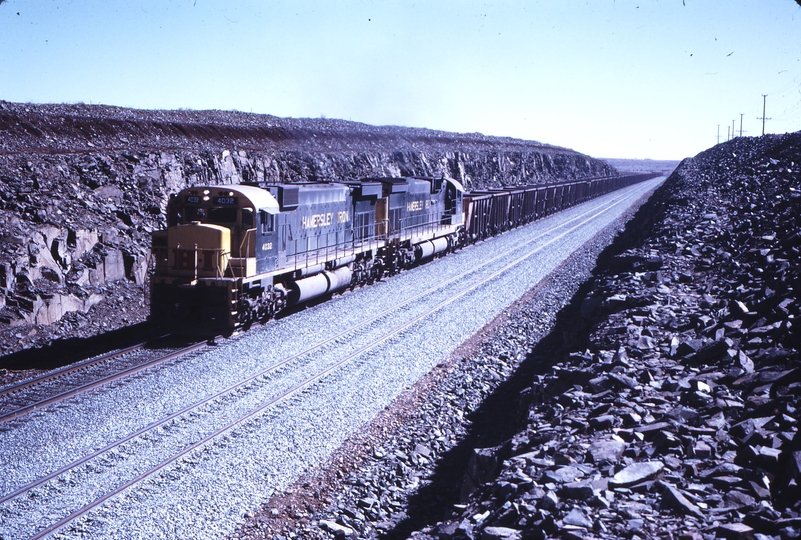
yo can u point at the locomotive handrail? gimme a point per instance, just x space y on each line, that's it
245 242
311 257
220 270
431 226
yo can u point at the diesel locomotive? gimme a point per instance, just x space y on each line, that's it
236 254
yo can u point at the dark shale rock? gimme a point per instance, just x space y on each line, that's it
636 473
606 451
500 533
578 518
483 467
735 531
673 498
704 393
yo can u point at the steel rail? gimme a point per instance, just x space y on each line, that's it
99 382
66 370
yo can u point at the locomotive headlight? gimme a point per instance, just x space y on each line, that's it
205 197
206 192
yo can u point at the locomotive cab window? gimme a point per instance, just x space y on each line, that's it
248 221
266 221
194 213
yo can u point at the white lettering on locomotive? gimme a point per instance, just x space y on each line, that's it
416 206
317 220
343 217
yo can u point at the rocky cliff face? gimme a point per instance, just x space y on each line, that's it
82 187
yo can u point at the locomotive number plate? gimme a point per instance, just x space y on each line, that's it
226 200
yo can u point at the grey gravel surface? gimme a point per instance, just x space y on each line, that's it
208 492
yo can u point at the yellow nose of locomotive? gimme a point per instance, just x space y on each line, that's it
198 250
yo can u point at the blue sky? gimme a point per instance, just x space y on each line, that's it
610 78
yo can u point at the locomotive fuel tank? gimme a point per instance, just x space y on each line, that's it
320 284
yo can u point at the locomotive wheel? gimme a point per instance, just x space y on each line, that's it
377 270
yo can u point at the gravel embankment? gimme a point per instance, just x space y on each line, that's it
663 403
206 493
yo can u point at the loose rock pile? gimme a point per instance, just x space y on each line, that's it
680 416
664 404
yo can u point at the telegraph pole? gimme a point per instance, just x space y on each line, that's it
718 133
732 129
764 98
741 124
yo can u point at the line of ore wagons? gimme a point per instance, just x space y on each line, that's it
488 212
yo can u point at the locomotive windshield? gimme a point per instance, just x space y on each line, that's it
219 215
195 214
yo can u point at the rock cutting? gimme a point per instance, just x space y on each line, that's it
647 386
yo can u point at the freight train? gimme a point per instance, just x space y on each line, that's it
236 254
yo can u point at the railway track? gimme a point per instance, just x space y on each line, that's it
54 387
65 371
263 390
